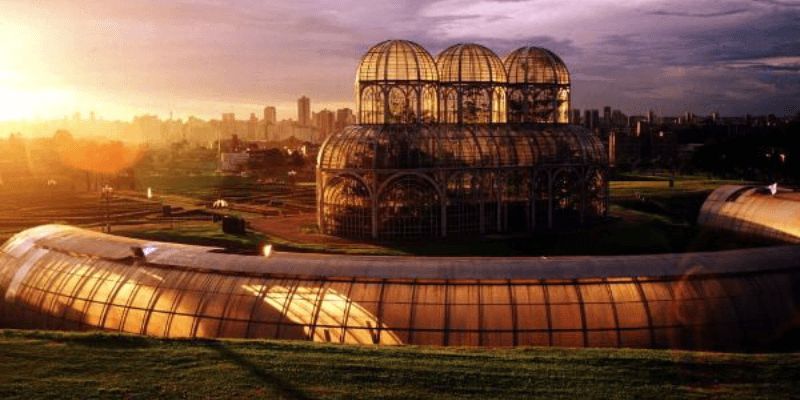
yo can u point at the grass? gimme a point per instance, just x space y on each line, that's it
662 223
202 234
79 365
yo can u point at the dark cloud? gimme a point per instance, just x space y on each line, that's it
699 15
790 4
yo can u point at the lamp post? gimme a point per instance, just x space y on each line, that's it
106 191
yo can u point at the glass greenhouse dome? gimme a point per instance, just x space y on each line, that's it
463 145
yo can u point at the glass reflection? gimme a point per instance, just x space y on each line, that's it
326 315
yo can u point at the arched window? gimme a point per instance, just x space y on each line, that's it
347 208
409 207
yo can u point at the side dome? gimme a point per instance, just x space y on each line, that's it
535 65
538 87
472 83
470 63
396 83
397 60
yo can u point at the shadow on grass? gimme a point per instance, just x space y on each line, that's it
285 389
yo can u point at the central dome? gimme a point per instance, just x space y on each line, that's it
472 83
470 63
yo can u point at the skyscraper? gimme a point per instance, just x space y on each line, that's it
252 127
575 116
228 124
304 111
344 117
270 115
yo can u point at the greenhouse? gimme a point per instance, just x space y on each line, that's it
64 278
463 145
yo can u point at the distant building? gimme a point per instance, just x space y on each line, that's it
228 126
252 127
233 162
344 117
304 111
270 115
575 116
325 123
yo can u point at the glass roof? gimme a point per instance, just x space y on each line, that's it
397 60
535 65
470 63
459 146
345 299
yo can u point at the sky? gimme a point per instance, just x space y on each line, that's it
120 58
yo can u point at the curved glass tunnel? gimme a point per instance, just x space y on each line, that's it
63 278
753 213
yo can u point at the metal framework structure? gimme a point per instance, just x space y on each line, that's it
64 278
753 213
396 83
472 83
437 152
538 86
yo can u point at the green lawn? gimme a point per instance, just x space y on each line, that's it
36 365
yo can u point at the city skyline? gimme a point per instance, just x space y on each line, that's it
207 58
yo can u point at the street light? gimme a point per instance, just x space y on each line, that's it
106 191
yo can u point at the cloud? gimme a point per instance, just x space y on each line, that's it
699 14
208 53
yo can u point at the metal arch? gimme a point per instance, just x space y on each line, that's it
351 175
398 175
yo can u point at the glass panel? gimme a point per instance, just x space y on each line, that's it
498 339
166 299
566 316
432 338
563 294
263 330
662 313
600 316
497 317
624 292
156 323
207 327
656 290
75 311
133 321
113 317
241 307
429 316
637 338
603 338
181 326
214 305
463 317
142 297
533 338
631 315
462 338
188 302
528 294
396 315
531 317
594 293
234 329
94 314
463 294
568 339
495 294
